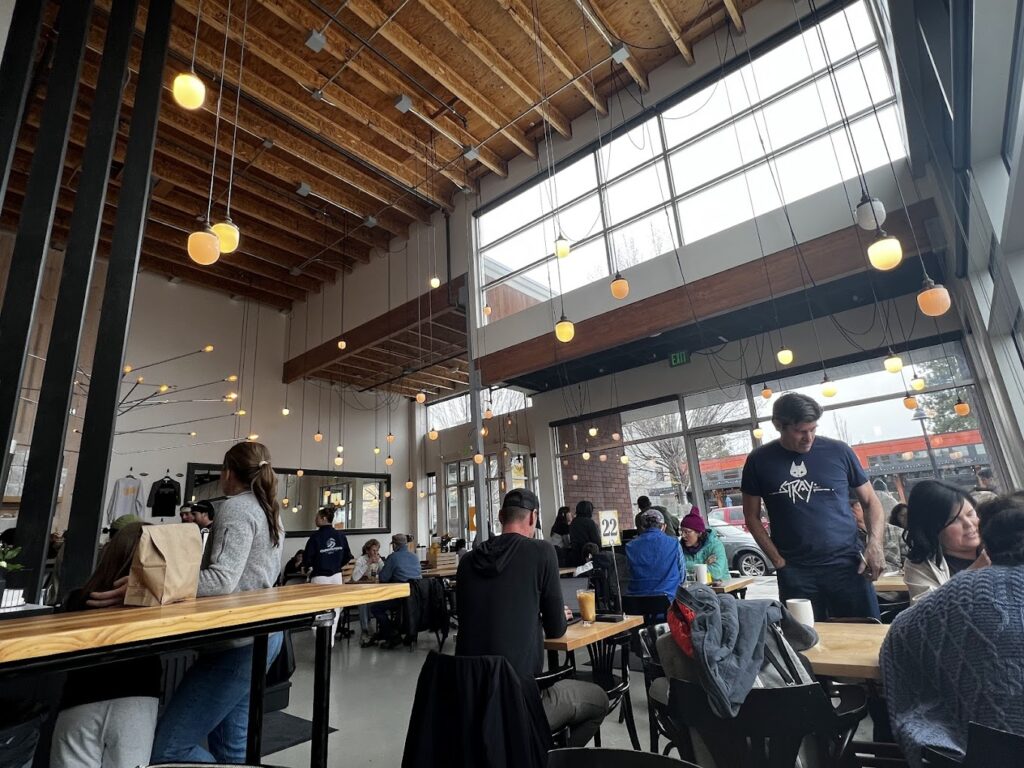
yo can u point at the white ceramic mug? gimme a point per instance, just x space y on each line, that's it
700 574
801 610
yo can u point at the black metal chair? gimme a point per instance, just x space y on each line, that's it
657 715
770 726
986 748
871 754
559 738
890 611
582 757
652 607
602 672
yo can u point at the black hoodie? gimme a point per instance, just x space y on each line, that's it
509 600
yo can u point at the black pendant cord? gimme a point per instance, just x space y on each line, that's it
16 79
119 293
32 241
42 476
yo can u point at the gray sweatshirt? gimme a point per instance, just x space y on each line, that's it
240 555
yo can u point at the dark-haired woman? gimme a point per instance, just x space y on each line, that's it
958 657
108 712
582 530
560 529
212 702
942 531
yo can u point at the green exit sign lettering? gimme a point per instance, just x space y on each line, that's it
678 358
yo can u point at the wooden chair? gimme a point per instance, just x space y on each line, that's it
656 714
585 757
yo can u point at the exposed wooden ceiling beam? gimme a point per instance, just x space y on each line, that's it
371 333
522 15
397 388
600 22
349 106
735 15
301 17
488 54
433 65
669 22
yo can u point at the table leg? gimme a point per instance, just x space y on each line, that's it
257 687
324 624
552 661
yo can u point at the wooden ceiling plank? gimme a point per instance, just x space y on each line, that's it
370 333
672 26
444 74
735 15
631 64
488 54
522 15
205 279
277 56
301 17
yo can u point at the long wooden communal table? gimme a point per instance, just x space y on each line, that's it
847 650
71 640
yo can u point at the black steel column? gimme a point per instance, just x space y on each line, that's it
115 314
16 77
42 476
324 628
33 238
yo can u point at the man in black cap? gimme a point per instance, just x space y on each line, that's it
202 515
509 601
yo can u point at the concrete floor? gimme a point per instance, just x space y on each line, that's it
372 691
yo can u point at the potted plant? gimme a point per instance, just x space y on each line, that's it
7 564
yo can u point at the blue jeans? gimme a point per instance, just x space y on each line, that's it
212 703
836 591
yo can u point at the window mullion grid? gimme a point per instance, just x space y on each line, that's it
677 241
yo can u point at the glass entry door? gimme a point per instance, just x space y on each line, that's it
721 455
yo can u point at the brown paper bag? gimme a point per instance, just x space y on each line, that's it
166 565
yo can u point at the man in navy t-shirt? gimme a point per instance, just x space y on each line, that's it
805 483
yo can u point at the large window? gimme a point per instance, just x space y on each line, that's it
772 131
455 410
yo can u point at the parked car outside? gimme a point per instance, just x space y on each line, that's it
734 516
741 549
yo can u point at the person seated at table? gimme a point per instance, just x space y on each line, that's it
656 563
212 702
898 516
643 503
402 566
365 571
957 656
108 711
186 514
701 546
459 548
893 545
942 531
293 568
582 529
560 528
509 600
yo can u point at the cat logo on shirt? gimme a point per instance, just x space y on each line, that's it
799 487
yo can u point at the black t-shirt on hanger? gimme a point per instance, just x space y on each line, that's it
164 497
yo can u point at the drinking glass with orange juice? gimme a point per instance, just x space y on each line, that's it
588 606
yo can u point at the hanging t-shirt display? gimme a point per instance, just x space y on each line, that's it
125 499
164 497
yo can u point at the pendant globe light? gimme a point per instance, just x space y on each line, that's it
933 299
961 408
188 90
870 213
421 397
758 433
893 363
885 253
784 356
620 287
565 330
227 231
432 434
435 282
917 383
767 393
828 387
910 402
204 247
562 247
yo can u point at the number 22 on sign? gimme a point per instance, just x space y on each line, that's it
608 522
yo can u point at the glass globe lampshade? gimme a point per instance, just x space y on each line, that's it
767 393
421 398
478 458
342 343
487 310
624 459
387 494
620 287
603 457
885 253
432 434
284 502
376 450
204 247
285 411
408 485
435 282
488 414
575 477
910 402
870 213
423 494
616 436
318 437
484 431
828 388
893 363
592 431
586 456
917 383
299 473
389 461
933 300
784 356
227 235
253 436
562 247
189 91
339 448
338 461
390 438
962 408
208 348
564 330
758 433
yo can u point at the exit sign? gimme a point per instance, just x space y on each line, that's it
678 358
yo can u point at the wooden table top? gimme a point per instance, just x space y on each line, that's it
444 571
579 636
847 650
892 583
731 585
33 638
566 571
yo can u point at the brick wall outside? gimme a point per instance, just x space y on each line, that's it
605 483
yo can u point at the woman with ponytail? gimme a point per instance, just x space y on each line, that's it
212 702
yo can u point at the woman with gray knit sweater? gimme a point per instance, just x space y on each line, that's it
212 702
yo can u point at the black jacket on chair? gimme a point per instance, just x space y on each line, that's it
473 712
